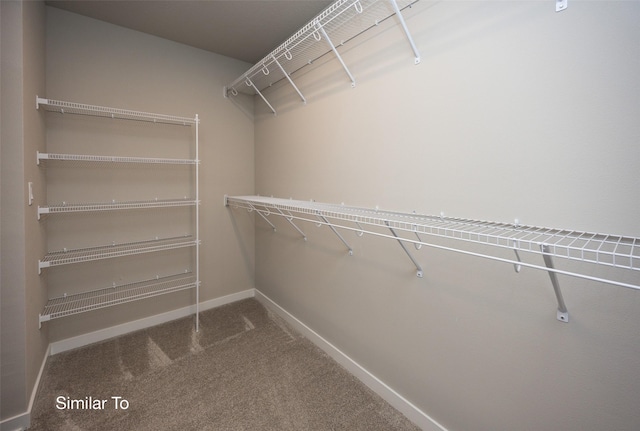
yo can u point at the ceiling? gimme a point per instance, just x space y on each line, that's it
243 29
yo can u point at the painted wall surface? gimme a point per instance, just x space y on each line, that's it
96 63
515 112
23 344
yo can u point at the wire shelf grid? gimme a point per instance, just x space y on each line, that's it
101 111
68 305
66 257
342 21
601 249
64 207
87 158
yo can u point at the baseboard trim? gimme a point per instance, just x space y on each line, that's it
400 403
23 421
147 322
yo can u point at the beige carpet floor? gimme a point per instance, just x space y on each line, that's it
244 370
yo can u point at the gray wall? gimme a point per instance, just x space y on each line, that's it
22 296
89 61
516 112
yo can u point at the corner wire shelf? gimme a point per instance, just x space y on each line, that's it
79 255
336 25
116 113
65 208
68 305
622 252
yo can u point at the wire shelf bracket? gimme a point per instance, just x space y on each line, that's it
336 53
340 237
562 314
340 22
419 271
606 250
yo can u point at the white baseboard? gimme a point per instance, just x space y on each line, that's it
400 403
23 421
147 322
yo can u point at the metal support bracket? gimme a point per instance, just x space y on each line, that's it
561 5
250 84
337 54
324 219
286 75
263 216
396 9
290 220
517 267
562 314
419 272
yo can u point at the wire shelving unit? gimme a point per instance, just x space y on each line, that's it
336 25
68 305
615 251
94 299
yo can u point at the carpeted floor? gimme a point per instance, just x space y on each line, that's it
244 370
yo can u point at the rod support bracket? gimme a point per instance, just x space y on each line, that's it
562 314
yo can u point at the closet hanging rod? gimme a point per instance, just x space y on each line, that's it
340 22
620 252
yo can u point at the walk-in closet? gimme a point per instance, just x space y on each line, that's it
320 215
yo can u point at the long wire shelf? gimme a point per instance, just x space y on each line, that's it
71 256
616 251
116 113
87 158
65 207
336 25
68 305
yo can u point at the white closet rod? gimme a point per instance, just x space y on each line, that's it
601 249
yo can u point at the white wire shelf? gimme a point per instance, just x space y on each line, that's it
86 158
65 207
336 25
68 305
621 252
115 113
66 257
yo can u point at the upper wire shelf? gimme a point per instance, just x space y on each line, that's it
65 207
615 251
87 158
336 25
117 113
